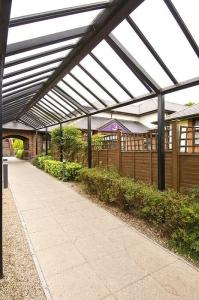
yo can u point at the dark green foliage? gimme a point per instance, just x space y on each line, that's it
175 214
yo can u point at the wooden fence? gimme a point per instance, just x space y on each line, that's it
135 155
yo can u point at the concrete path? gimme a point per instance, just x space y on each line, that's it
85 253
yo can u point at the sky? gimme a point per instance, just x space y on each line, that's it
155 21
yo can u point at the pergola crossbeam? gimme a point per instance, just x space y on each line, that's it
57 13
103 25
47 40
133 64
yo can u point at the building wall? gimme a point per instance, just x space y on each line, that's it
29 138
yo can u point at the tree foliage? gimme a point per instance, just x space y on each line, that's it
190 103
18 144
68 138
97 141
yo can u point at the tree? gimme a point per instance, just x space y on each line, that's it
190 103
17 145
70 139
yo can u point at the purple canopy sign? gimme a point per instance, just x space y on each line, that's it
113 126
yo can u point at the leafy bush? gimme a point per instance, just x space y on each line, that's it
71 171
42 159
176 215
38 161
19 154
53 167
64 171
194 193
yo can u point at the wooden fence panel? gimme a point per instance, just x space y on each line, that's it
181 168
189 171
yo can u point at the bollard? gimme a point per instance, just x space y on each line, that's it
5 173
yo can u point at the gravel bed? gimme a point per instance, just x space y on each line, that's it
20 280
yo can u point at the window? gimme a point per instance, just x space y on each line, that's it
196 136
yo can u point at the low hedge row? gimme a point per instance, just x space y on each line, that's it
63 171
175 214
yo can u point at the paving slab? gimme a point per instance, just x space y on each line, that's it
85 253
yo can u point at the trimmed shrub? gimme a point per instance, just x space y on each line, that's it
42 159
38 161
19 153
64 171
71 171
54 168
175 214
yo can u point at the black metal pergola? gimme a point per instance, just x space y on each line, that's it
57 78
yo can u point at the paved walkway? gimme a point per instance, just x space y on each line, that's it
85 253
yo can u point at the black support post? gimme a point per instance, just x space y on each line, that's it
1 187
161 146
61 143
46 141
5 8
36 145
89 140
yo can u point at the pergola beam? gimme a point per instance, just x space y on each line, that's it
66 101
57 13
98 83
15 90
33 67
151 49
38 55
182 25
132 64
58 102
47 40
87 89
20 94
71 99
77 93
28 77
24 84
111 75
59 107
103 25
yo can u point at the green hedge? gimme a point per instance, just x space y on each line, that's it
19 153
175 214
38 161
64 171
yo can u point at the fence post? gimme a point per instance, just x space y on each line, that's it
118 151
175 156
